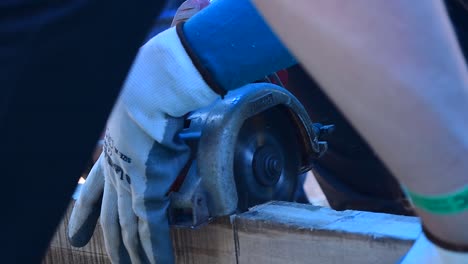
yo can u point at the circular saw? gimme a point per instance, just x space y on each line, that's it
247 148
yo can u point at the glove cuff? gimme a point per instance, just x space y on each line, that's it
444 244
204 72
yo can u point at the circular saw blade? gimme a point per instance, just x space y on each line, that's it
266 160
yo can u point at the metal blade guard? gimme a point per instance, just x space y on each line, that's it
208 187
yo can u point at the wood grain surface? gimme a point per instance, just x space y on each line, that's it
276 232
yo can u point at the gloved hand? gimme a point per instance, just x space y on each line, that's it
142 155
185 11
426 252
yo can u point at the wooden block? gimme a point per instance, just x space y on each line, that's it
276 232
280 232
61 251
210 244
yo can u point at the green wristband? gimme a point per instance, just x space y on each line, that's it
449 203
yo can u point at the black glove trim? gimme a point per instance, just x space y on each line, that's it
205 73
444 244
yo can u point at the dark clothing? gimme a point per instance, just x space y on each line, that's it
62 66
458 13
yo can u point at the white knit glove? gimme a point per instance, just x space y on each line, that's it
142 155
426 252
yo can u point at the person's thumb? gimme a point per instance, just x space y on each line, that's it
87 208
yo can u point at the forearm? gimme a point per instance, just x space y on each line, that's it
395 70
